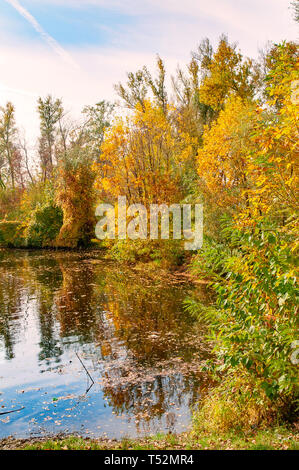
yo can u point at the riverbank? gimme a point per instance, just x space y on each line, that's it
279 438
87 297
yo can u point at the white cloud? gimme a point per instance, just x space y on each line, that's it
47 38
169 27
28 72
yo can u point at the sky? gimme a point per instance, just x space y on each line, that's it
77 49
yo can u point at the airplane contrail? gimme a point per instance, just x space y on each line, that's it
19 91
47 38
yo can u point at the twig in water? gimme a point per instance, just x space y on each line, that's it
11 411
85 368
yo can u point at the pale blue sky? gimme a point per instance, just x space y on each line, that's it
77 49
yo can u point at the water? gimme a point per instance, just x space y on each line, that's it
129 329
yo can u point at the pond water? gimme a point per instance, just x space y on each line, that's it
70 319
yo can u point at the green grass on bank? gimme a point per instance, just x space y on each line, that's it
280 438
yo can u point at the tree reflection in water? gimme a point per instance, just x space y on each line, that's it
144 350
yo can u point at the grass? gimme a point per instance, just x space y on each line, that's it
279 438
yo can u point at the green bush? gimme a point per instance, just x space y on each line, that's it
11 234
259 301
44 226
254 322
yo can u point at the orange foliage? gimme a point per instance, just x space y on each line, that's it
143 157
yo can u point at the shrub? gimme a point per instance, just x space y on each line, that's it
75 196
166 253
234 405
11 234
44 226
253 326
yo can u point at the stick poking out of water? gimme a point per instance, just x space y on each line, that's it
85 368
11 411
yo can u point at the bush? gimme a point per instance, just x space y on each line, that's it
234 406
11 234
75 196
253 325
166 253
259 301
44 226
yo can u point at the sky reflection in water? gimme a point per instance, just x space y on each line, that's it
131 332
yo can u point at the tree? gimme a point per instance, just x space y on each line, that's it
143 157
203 55
139 85
75 193
50 113
8 132
273 165
278 60
295 5
157 85
98 119
226 73
25 157
193 114
222 160
75 196
256 316
135 91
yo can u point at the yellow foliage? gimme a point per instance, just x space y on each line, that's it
274 164
75 197
143 157
223 159
228 74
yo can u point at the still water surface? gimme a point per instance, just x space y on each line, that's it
130 331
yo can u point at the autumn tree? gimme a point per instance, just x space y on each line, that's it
223 159
274 162
75 196
143 157
75 193
226 73
277 62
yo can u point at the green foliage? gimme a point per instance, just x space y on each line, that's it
275 438
11 234
139 85
44 226
259 300
98 120
210 261
235 406
41 217
253 325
